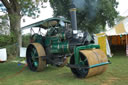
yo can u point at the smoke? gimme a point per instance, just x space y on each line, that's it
80 4
88 6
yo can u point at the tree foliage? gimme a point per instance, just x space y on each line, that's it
26 40
6 40
92 15
23 7
18 8
9 43
119 18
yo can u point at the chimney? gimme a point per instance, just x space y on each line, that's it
73 17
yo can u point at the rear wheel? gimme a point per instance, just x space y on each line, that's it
35 53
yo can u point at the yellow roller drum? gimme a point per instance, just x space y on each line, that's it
91 62
95 56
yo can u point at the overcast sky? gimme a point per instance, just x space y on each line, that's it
123 7
48 12
45 13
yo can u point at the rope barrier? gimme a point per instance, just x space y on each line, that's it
13 75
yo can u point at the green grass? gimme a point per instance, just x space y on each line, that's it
116 74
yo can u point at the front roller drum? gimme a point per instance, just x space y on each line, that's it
89 58
34 55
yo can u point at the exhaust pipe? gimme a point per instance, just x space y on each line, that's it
73 18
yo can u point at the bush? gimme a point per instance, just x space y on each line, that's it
26 40
8 42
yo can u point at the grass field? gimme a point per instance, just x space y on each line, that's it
116 74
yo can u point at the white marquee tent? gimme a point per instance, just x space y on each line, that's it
120 29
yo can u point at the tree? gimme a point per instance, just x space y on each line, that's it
119 18
16 9
92 15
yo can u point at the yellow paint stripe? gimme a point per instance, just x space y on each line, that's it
100 34
73 9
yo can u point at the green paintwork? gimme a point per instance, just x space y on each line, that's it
37 38
57 42
62 47
77 50
100 64
35 64
50 40
57 45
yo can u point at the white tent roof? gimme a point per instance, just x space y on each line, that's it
119 29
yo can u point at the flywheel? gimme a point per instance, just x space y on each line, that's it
35 53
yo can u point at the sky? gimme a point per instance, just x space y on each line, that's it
48 12
44 14
123 7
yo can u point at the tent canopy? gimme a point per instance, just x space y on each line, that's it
120 29
101 39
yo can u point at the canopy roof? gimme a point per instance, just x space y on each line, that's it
120 29
46 23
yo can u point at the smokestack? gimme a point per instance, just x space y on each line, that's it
73 17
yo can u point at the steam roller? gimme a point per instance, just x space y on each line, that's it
63 40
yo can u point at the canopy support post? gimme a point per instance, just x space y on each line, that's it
126 44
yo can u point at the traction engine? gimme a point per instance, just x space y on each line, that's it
64 40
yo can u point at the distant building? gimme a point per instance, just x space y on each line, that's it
4 31
4 27
4 23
